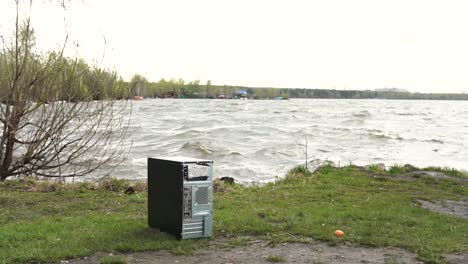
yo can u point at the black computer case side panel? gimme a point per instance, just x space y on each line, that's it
165 183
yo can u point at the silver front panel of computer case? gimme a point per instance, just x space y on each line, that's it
198 208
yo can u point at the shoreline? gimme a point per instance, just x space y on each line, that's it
431 171
305 98
375 208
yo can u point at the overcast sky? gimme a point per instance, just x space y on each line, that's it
419 45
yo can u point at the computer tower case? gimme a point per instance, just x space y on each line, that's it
180 196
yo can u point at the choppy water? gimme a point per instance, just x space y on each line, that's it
254 140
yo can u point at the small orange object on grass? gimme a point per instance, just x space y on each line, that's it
339 233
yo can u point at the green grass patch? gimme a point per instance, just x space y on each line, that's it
401 169
275 259
376 168
113 260
299 170
48 225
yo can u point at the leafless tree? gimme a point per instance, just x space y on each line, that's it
51 123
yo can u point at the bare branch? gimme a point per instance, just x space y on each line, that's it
58 116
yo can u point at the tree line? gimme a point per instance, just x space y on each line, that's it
194 89
172 88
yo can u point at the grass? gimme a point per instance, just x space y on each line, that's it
376 168
40 223
299 171
113 260
275 259
400 169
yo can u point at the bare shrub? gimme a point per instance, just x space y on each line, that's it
58 116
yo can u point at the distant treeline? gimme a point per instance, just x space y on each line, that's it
79 81
194 89
181 89
368 94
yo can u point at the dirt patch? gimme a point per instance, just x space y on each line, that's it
410 176
434 174
260 252
456 258
456 208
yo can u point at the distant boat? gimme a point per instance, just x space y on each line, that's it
138 98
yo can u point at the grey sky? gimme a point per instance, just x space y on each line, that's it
419 45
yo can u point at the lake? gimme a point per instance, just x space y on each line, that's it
257 140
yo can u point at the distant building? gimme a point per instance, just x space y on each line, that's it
398 90
241 92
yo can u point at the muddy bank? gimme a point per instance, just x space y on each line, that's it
257 251
455 208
